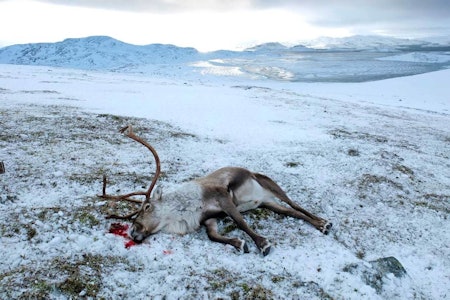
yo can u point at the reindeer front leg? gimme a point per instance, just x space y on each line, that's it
228 206
211 230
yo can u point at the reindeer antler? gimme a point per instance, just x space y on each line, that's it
127 197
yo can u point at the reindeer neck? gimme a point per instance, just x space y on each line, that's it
180 210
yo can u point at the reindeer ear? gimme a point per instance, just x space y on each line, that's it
157 194
147 206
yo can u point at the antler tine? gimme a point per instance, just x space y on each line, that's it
125 197
128 131
131 135
126 217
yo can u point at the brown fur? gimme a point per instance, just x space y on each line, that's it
227 191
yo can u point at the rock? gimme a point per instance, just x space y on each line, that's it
374 271
389 264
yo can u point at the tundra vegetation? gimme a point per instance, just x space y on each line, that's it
384 186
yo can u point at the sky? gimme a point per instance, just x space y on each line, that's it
219 24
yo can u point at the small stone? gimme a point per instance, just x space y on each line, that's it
388 265
373 272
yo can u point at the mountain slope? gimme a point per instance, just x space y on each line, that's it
331 60
96 52
102 52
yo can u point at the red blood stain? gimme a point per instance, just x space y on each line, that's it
130 244
167 252
119 229
122 230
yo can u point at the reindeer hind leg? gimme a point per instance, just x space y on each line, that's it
322 225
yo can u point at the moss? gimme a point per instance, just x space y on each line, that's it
30 231
86 218
435 202
404 169
66 277
83 275
75 286
344 134
432 206
41 287
229 228
369 180
292 164
313 288
10 229
111 117
179 134
234 295
219 279
276 279
261 214
256 292
360 254
353 152
245 287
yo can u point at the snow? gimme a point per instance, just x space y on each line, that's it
372 157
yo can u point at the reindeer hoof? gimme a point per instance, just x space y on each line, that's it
244 247
266 249
246 250
240 245
326 228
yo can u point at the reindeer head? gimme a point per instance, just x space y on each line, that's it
147 220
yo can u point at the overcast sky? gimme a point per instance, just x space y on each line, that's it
219 24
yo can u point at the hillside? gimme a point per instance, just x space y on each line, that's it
371 157
96 52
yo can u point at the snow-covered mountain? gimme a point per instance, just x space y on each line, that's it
100 52
325 59
368 42
268 47
95 52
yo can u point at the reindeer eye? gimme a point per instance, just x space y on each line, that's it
137 226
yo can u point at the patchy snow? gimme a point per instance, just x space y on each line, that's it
377 167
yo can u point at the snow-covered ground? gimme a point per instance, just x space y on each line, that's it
371 157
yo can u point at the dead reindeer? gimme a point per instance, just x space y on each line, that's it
225 192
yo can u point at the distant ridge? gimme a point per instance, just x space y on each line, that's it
94 52
364 42
107 53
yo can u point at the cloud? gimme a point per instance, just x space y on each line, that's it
161 6
334 11
407 17
402 18
319 12
350 12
